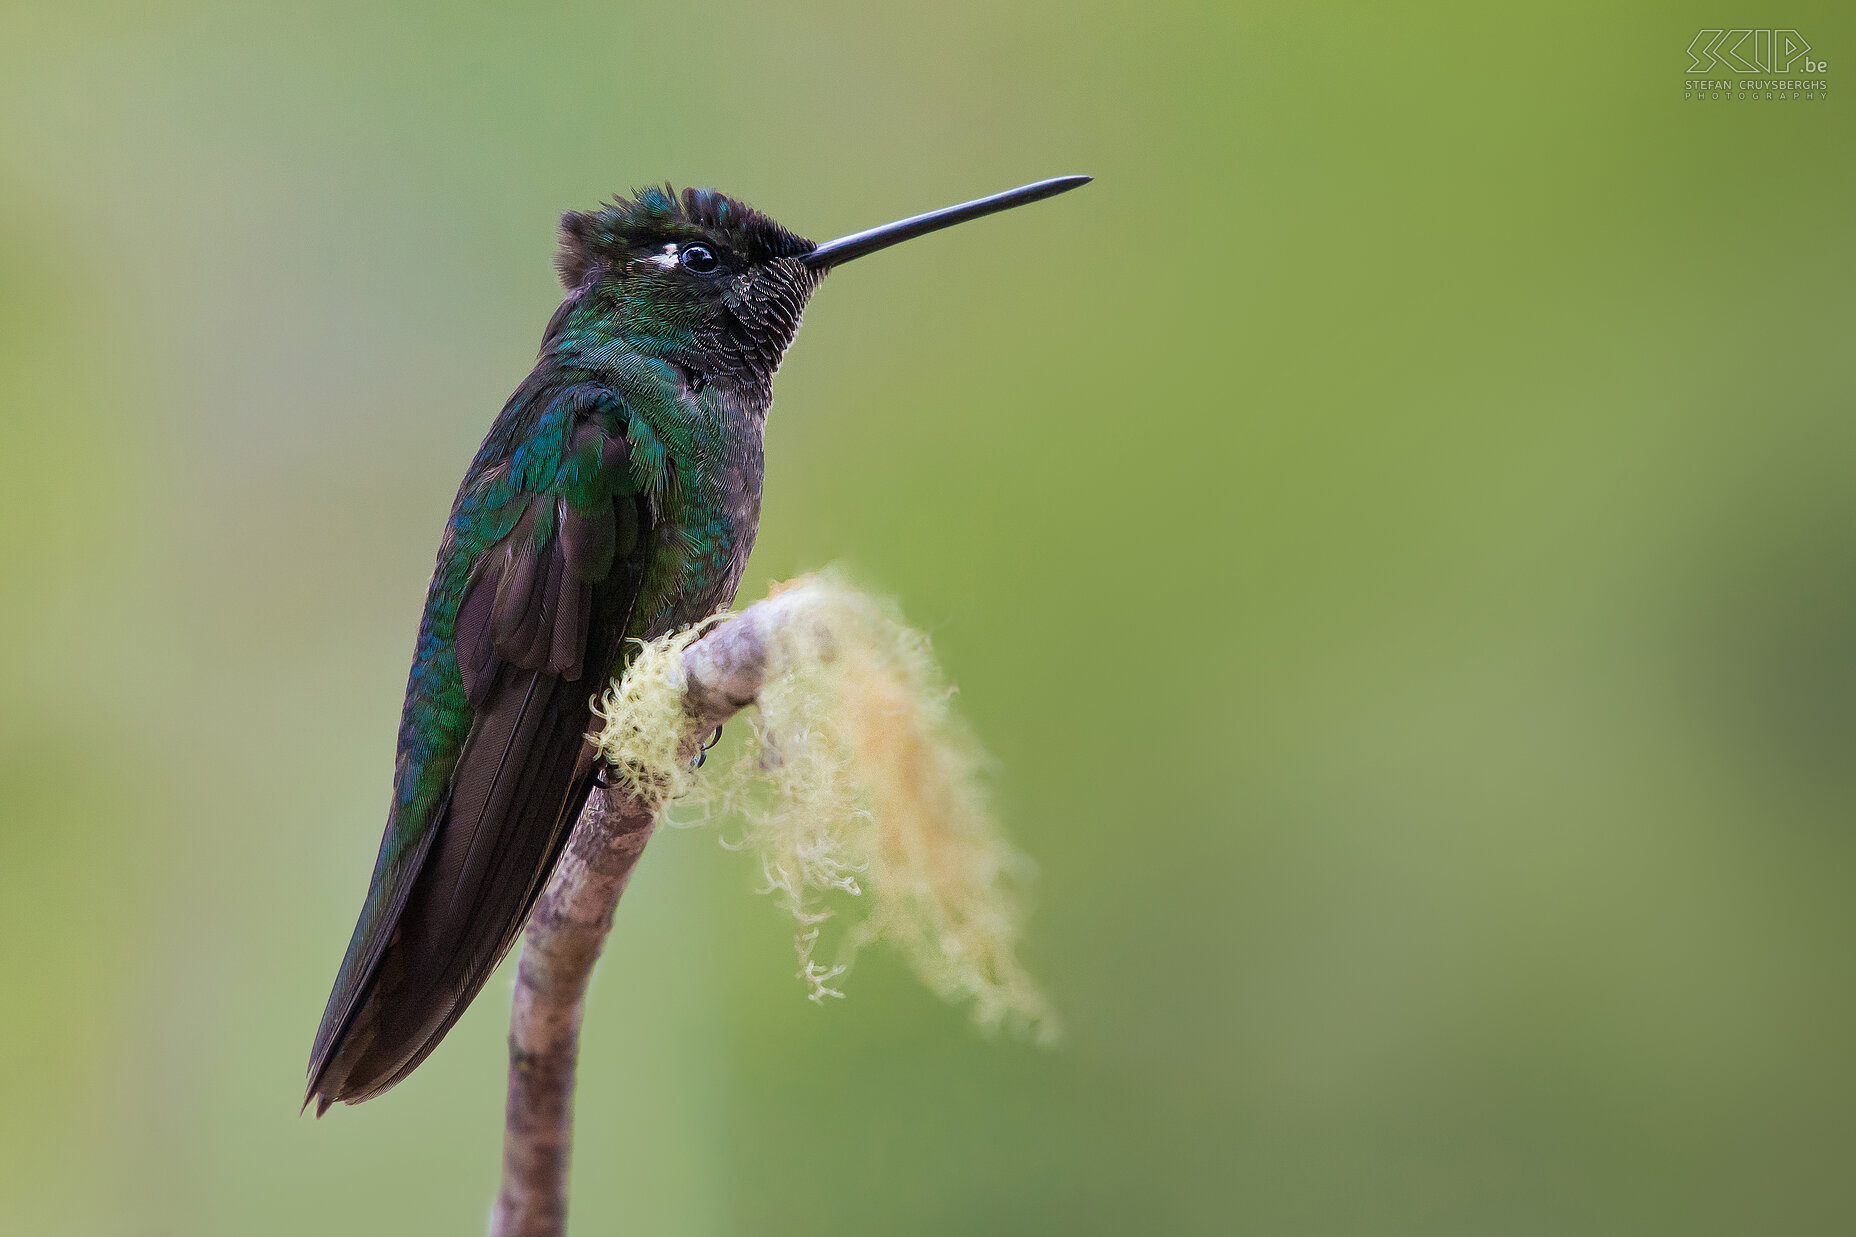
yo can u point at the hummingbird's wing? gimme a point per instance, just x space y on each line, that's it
544 604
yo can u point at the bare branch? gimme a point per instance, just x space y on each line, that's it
870 781
568 930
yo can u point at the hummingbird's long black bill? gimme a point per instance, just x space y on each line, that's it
857 244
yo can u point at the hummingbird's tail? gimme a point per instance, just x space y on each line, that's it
521 779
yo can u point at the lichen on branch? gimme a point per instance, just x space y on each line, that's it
859 791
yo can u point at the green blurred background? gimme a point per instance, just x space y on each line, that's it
1396 530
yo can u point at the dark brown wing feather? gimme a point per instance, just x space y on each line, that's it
540 610
513 802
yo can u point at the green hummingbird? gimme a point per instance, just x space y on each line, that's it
615 498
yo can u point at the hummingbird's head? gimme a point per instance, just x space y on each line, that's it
697 277
714 286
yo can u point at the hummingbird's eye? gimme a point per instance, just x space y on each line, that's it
699 260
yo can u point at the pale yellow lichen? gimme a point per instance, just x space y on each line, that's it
643 725
859 788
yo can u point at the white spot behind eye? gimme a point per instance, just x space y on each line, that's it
666 259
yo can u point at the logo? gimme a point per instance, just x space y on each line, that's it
1750 65
1751 51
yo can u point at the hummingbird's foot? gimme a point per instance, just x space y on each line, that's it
702 753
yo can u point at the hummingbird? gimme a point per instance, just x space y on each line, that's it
614 499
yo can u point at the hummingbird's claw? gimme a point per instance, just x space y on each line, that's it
702 752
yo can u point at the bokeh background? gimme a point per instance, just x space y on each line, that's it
1396 530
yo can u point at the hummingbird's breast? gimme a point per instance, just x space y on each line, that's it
707 517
